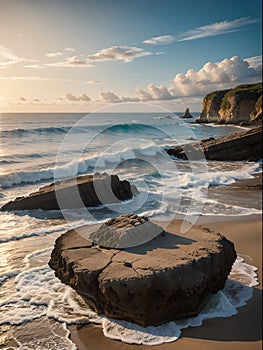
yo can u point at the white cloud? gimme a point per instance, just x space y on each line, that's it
217 28
31 78
69 49
83 97
119 53
113 98
212 76
73 61
109 97
153 92
53 54
255 62
8 57
93 82
205 31
33 66
160 40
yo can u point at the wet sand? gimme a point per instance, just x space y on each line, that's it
242 331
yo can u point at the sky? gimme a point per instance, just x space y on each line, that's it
83 55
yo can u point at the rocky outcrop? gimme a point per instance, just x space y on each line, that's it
187 114
125 231
87 190
166 278
245 145
240 105
256 115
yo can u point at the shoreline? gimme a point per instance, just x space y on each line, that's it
242 331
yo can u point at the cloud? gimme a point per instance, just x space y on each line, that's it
119 53
73 61
8 57
153 92
114 53
160 40
93 82
113 98
109 97
53 54
205 31
22 99
83 97
217 28
212 76
255 62
35 78
33 66
197 83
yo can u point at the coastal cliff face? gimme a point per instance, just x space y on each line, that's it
241 105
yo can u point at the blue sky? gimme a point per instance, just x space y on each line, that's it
81 55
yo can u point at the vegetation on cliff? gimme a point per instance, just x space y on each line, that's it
242 104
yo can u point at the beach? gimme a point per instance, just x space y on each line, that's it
226 198
242 331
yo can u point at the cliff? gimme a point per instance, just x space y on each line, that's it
240 105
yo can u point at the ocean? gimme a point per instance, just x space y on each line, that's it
37 149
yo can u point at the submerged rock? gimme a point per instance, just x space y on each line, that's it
167 278
246 145
86 190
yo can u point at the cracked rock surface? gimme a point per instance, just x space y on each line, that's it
167 278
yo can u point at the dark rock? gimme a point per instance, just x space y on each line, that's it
246 145
86 190
167 278
187 114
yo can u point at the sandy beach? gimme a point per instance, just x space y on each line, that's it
242 331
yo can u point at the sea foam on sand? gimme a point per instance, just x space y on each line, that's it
38 293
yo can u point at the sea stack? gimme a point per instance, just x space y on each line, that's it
167 278
187 114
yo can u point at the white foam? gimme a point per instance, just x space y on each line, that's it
39 293
78 166
222 304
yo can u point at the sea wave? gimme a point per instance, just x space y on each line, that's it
77 166
116 128
43 130
102 161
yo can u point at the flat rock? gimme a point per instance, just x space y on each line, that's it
167 278
246 145
86 190
125 231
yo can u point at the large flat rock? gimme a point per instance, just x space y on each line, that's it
86 190
167 278
246 145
